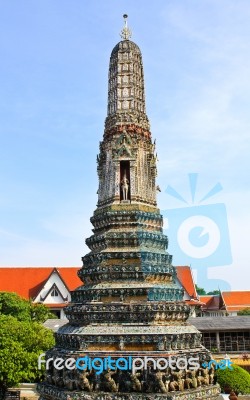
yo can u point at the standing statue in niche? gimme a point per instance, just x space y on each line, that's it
125 187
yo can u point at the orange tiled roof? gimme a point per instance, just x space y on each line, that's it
212 302
56 305
184 274
237 308
236 300
206 298
28 281
194 302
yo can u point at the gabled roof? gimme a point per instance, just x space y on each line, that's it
54 287
211 302
185 276
206 298
28 281
236 300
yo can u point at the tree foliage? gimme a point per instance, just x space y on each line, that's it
214 292
22 339
236 379
200 291
22 309
21 342
246 311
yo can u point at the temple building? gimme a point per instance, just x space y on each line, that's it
50 286
225 303
130 308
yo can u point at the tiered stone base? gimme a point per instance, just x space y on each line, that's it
202 393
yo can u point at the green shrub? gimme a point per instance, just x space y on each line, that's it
236 379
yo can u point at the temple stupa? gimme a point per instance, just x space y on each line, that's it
130 305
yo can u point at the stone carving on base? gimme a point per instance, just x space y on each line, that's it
136 383
83 381
108 382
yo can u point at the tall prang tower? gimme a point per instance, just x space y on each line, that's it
130 304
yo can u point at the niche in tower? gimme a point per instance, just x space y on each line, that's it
125 180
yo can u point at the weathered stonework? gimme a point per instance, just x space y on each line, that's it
130 303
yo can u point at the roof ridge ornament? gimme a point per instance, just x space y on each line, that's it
126 33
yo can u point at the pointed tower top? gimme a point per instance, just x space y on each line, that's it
126 32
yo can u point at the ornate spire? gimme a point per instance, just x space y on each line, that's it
126 33
126 98
127 161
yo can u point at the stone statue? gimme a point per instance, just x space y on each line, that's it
167 382
136 384
200 378
158 379
109 382
83 381
206 377
193 378
57 378
68 379
125 187
121 343
187 382
177 384
211 375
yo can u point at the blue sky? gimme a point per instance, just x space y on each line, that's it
53 100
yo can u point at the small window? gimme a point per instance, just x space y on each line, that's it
57 313
54 293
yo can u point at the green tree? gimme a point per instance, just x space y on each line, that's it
236 379
40 313
21 342
200 290
12 304
246 311
214 292
22 309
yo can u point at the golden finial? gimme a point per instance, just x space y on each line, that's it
126 32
